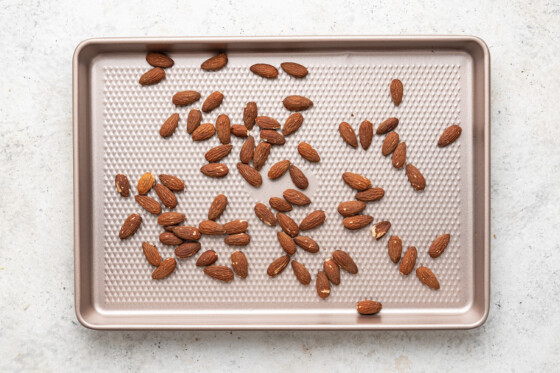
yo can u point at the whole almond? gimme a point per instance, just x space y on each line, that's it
387 126
415 177
307 243
211 228
217 207
171 218
215 170
370 195
239 130
217 153
278 169
130 226
332 271
169 126
287 243
187 249
207 258
247 150
164 269
295 197
272 137
152 76
356 181
212 101
157 59
236 226
308 152
278 265
380 229
408 261
264 70
239 264
267 123
250 175
368 307
166 196
292 124
297 103
399 156
298 177
390 143
203 132
357 222
221 273
351 208
366 134
427 277
396 91
313 220
262 151
223 129
287 224
345 261
395 248
301 273
152 254
185 98
239 239
145 183
294 69
149 204
439 245
193 120
122 185
347 133
322 285
250 114
215 63
265 214
187 233
449 136
172 182
168 238
280 204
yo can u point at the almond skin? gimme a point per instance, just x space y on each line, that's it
171 218
380 229
272 137
322 285
166 196
287 224
216 170
396 91
292 124
212 101
332 271
157 59
345 261
370 195
122 185
366 134
193 120
250 114
203 132
449 136
223 129
265 214
387 126
239 264
251 175
169 126
357 222
439 245
368 307
297 103
399 156
218 153
239 239
145 183
295 197
294 69
307 152
247 150
415 177
390 143
262 151
298 177
236 226
408 261
211 228
427 277
280 204
164 269
301 273
185 98
221 273
267 123
217 207
152 254
351 208
278 169
307 243
168 238
207 258
395 248
278 265
149 204
172 182
215 63
287 243
356 181
152 76
313 220
187 249
239 130
187 233
347 133
264 70
130 226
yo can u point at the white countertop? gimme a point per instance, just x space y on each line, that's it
38 327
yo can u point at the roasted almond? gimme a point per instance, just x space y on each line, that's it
395 248
368 307
164 269
250 175
322 285
267 123
207 258
168 238
247 150
295 197
166 196
408 261
380 229
145 183
157 59
217 207
427 277
449 136
187 249
239 130
308 152
187 233
272 137
387 126
203 132
292 124
351 208
221 273
313 220
287 243
149 204
287 224
357 222
217 153
212 101
297 103
215 170
264 70
250 114
390 143
152 76
185 98
236 226
211 228
345 261
239 264
122 184
215 63
294 69
332 271
307 243
262 151
265 214
278 169
130 226
347 133
239 239
370 195
396 91
366 134
356 181
193 120
172 182
298 177
152 254
415 177
301 273
223 129
399 156
278 265
171 218
169 126
439 245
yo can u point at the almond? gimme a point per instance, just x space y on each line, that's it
280 204
351 208
296 197
169 126
212 101
272 137
149 204
193 120
449 136
223 129
298 177
172 182
287 243
247 150
322 285
357 222
313 220
301 273
215 63
395 248
370 195
239 130
203 132
390 143
267 123
294 69
387 126
262 151
348 134
239 264
264 70
166 196
345 261
307 152
396 91
152 76
380 229
152 254
408 261
439 245
168 238
239 239
211 228
171 218
217 207
356 181
157 59
215 170
250 175
278 265
207 258
307 244
221 273
236 226
164 269
187 249
292 124
297 103
187 233
185 98
427 277
368 307
287 224
250 114
278 169
145 183
217 153
332 271
366 134
415 177
399 156
122 184
265 214
130 226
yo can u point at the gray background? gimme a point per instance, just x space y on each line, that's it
38 328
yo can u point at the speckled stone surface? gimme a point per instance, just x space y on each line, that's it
38 328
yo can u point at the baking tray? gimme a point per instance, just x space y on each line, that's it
116 130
